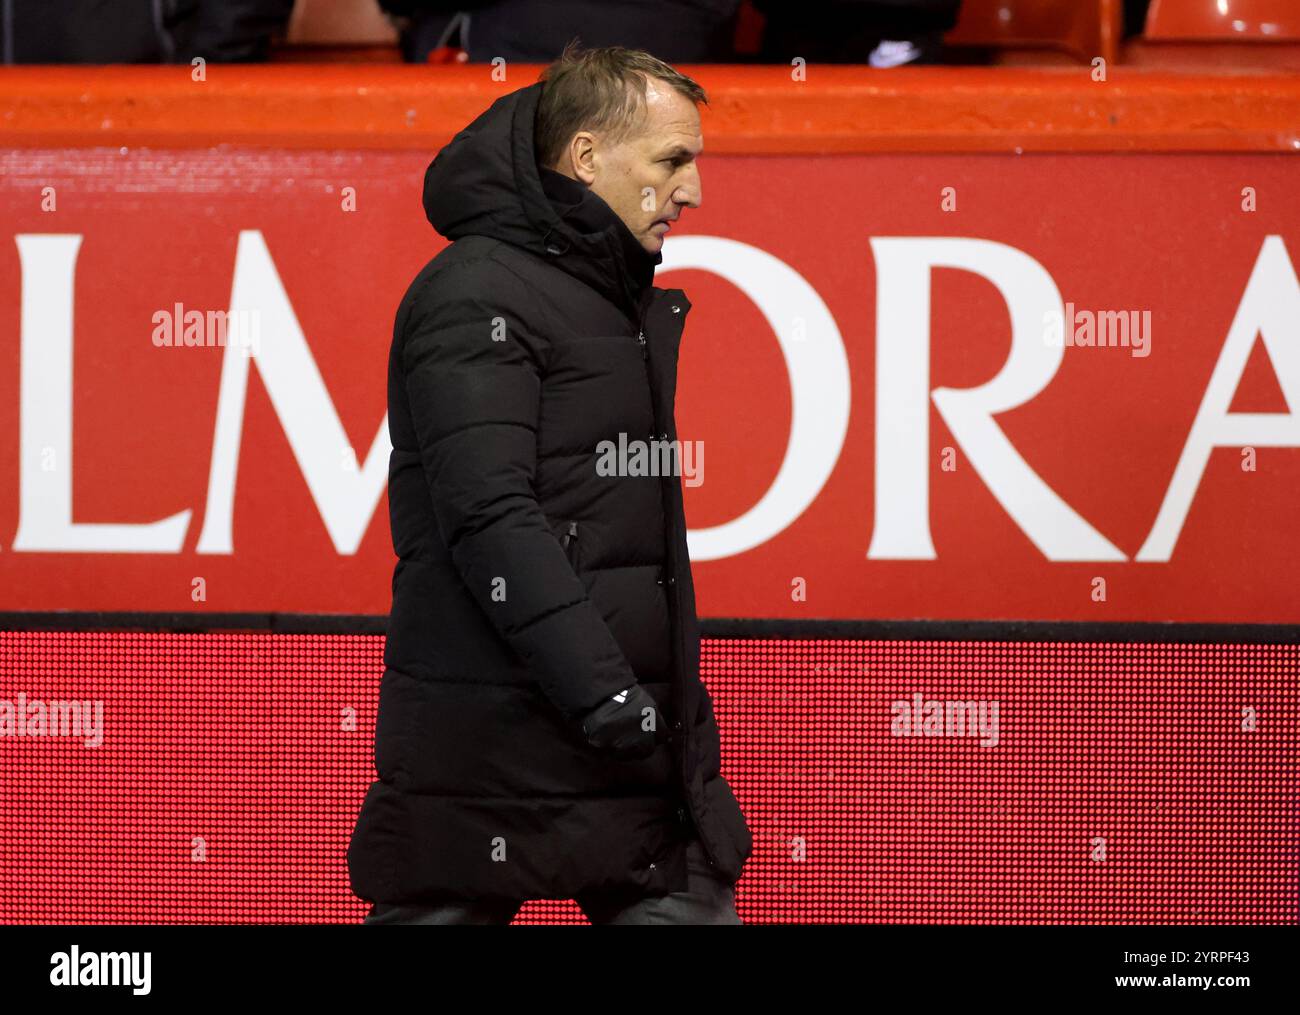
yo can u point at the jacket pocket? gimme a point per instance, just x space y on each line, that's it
569 540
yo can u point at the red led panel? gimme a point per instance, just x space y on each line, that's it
215 778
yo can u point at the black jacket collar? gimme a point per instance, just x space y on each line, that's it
486 182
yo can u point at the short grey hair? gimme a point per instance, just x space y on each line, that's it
601 90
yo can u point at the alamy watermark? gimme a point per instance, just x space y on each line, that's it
180 328
75 968
35 717
920 716
1129 329
655 457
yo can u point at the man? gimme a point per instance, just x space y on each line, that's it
542 729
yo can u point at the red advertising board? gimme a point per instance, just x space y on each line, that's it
897 418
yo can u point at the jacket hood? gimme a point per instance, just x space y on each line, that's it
486 182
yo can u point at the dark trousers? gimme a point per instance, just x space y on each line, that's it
707 899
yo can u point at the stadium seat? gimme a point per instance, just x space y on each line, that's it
338 31
339 23
1083 28
1223 21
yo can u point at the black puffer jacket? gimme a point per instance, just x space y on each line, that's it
529 589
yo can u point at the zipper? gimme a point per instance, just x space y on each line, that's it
640 328
570 544
681 638
685 730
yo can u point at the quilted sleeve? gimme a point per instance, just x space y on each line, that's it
473 364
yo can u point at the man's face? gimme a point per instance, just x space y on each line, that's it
647 178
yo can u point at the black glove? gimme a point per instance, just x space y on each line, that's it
628 726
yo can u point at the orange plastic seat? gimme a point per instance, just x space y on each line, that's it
339 23
338 31
1084 28
1223 21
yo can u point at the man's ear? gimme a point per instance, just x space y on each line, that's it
581 158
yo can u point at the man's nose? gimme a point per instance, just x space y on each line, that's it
690 192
